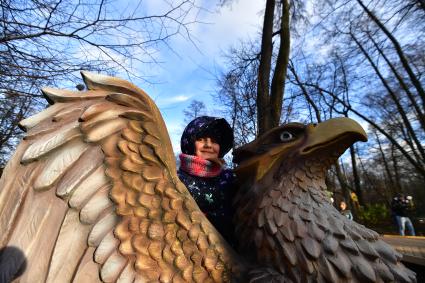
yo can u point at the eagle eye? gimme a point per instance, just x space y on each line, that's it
286 136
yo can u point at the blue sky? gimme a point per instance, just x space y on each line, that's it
187 71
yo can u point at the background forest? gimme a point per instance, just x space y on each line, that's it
360 59
311 61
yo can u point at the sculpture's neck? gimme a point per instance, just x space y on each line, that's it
277 210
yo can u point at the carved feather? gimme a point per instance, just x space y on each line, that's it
103 129
18 182
60 95
127 275
342 263
108 113
97 205
330 244
113 267
363 269
68 113
69 247
127 100
328 270
88 270
35 234
366 248
105 248
386 252
51 142
34 120
96 109
57 164
383 271
91 159
312 247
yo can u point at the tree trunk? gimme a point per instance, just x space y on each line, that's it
263 101
357 187
270 99
278 81
386 166
396 169
345 188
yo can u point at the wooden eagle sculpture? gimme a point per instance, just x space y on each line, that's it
92 195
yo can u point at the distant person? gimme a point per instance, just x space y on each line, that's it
344 211
354 200
400 206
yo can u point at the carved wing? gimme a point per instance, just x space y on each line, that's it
92 195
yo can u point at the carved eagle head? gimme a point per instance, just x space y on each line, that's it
284 219
296 142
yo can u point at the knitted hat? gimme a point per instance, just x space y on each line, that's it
205 126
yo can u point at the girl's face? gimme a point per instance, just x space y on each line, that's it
207 148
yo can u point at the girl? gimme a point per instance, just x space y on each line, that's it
204 142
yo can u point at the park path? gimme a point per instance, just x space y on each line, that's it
412 248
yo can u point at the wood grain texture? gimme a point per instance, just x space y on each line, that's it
90 160
14 186
51 141
88 270
36 119
58 163
35 232
69 248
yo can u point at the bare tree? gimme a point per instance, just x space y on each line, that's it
270 96
46 42
237 91
51 39
195 109
270 58
364 59
371 73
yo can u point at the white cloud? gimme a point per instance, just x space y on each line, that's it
165 101
216 30
223 27
187 71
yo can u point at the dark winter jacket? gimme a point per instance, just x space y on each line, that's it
400 206
214 197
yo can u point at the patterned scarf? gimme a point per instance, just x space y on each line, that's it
200 167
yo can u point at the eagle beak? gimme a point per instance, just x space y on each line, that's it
337 133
